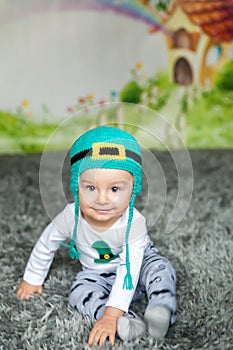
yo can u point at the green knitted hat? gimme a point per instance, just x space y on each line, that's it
110 148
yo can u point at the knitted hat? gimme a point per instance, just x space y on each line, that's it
109 148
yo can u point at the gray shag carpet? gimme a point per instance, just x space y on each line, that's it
200 249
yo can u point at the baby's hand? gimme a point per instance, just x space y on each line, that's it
25 290
105 327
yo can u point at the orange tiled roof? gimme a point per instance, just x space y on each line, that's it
215 17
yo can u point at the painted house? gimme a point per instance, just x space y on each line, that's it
201 40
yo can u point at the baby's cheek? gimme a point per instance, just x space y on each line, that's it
90 197
114 197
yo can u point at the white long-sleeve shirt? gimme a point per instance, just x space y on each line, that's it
103 251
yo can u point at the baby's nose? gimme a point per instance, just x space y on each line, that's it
102 197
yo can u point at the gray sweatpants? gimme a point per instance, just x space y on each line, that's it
157 281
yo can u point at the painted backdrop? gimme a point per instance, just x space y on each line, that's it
62 57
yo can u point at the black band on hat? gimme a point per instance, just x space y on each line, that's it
134 156
80 156
88 153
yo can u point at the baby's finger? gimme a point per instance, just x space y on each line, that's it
19 293
92 336
112 339
39 290
22 295
103 338
25 295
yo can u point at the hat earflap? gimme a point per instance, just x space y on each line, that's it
128 283
73 253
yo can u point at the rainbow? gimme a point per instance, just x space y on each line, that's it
131 8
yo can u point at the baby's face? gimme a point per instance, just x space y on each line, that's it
104 195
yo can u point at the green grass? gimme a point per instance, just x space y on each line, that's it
19 134
210 121
18 125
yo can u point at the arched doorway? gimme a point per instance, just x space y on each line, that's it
183 74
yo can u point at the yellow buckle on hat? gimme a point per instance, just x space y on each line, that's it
105 150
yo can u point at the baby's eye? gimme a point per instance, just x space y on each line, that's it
115 189
91 188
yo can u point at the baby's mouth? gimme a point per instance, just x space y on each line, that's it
102 210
